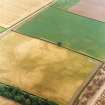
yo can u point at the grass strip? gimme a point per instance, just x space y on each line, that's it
2 29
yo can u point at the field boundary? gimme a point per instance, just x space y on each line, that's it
55 43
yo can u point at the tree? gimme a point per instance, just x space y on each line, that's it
17 98
59 43
27 102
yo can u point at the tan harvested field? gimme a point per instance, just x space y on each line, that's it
94 9
12 11
42 68
4 101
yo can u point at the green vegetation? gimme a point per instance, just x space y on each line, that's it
22 97
76 32
2 29
65 4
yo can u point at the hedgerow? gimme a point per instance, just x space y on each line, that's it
22 97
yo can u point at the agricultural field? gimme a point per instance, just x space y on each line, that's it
87 8
74 32
42 68
13 11
51 51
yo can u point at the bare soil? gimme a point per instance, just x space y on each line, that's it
94 9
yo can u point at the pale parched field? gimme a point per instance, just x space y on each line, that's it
4 101
94 9
12 11
42 68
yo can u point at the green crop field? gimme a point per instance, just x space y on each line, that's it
73 31
2 29
64 4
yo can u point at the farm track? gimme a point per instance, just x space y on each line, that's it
22 21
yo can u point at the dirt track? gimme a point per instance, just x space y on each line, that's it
12 11
94 9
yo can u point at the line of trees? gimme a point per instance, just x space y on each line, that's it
22 97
